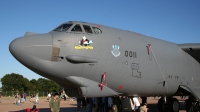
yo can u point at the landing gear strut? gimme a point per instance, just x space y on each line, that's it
162 105
192 105
168 105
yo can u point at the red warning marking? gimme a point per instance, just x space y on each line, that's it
149 48
99 26
103 81
120 87
101 86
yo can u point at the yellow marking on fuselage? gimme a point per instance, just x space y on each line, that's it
84 47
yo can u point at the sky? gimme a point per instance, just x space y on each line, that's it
177 21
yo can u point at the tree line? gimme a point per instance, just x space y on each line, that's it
16 82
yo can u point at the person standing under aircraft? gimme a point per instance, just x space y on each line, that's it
95 104
83 102
131 103
103 104
136 104
89 105
54 104
118 103
144 108
114 107
110 104
78 104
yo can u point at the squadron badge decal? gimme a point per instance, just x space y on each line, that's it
84 44
115 52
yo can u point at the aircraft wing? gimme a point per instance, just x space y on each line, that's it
193 49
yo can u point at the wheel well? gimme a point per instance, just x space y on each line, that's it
182 92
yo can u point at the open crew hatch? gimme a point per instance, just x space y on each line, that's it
70 27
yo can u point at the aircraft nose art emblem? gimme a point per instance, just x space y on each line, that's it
115 52
85 44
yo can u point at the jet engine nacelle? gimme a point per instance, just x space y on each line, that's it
73 92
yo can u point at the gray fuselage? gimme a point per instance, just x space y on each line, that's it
134 64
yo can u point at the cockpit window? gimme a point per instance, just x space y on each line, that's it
97 30
63 27
77 28
87 29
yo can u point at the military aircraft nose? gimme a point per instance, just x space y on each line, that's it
38 46
14 47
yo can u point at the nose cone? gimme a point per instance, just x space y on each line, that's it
24 49
15 43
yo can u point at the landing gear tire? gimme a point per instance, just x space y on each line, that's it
162 106
189 106
173 105
192 106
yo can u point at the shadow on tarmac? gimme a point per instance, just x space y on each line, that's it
67 109
152 107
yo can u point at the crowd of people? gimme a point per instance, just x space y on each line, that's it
109 104
101 104
62 95
20 98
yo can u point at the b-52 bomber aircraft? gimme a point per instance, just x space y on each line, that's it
93 60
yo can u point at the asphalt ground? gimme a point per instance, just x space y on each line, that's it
7 105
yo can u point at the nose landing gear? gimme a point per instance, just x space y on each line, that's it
162 105
173 105
168 105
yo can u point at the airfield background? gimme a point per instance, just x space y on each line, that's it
15 83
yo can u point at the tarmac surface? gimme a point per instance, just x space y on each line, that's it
7 105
